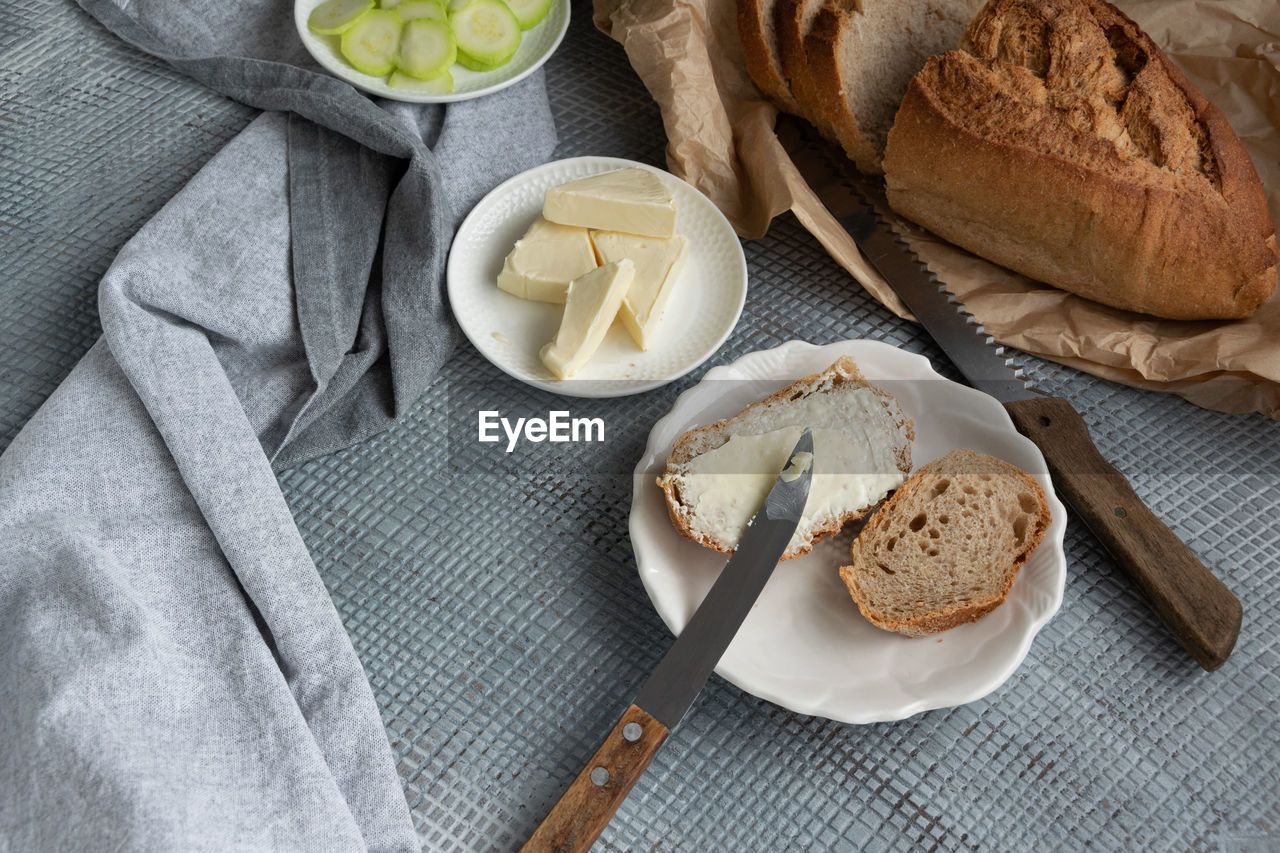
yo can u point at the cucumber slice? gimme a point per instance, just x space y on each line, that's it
471 65
334 17
487 32
388 4
529 12
370 45
427 48
441 85
410 10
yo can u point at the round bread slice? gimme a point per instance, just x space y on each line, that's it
944 550
843 402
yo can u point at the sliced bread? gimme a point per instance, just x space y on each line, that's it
945 549
793 19
758 31
1061 142
861 57
718 475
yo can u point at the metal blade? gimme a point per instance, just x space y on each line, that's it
985 364
679 677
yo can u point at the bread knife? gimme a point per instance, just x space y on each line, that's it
582 813
1197 608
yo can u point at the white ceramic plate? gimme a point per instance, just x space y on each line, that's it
805 646
510 331
536 47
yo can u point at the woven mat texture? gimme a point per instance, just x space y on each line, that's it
497 608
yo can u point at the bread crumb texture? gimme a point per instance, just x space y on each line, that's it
945 549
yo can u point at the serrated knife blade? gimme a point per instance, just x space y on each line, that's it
1197 608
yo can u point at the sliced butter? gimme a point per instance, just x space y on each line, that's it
544 261
632 200
658 264
592 303
854 465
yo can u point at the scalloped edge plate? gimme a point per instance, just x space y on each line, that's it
805 646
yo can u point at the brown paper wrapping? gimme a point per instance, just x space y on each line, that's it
721 138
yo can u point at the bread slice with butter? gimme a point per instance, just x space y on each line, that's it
945 549
659 262
718 475
590 306
544 261
633 200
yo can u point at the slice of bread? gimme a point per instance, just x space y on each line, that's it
717 475
758 31
944 550
862 57
793 19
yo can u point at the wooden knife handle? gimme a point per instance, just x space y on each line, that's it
584 810
1194 605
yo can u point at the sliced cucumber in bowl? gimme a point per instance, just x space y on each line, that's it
441 85
335 17
427 48
487 32
370 45
529 12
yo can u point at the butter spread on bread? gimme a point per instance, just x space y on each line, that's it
945 549
718 475
590 306
544 261
632 200
659 262
1060 142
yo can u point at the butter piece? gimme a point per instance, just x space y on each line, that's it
854 465
589 309
658 264
632 200
544 261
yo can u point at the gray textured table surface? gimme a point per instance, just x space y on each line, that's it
498 611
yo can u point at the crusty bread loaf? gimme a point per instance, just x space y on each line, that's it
1063 144
862 57
945 549
847 400
757 28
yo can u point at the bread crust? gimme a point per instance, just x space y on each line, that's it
1012 182
793 21
954 464
824 46
843 372
755 17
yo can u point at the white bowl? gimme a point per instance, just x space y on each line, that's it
536 47
805 645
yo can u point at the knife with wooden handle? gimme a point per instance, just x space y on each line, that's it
1197 608
582 813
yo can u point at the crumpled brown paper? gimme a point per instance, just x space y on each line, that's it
721 138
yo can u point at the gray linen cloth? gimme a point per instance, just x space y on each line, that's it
174 674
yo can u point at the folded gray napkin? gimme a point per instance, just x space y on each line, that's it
174 673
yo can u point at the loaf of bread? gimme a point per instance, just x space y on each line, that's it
718 475
1060 142
945 549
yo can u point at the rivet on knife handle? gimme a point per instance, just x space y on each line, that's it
584 810
1195 606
